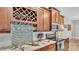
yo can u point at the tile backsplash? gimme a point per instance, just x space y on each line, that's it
5 39
21 34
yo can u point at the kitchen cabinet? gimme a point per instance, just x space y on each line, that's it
66 44
51 47
61 21
43 19
46 20
55 14
57 17
40 19
5 17
40 16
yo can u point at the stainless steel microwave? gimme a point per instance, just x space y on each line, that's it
55 27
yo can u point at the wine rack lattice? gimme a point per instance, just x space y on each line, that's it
22 13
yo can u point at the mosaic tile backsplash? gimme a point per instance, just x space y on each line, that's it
22 33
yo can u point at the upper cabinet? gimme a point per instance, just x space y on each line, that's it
5 17
55 14
61 20
46 20
56 17
40 16
43 19
40 19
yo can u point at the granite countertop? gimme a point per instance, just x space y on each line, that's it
41 44
6 39
32 48
62 34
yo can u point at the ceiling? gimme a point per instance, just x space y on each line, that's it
70 12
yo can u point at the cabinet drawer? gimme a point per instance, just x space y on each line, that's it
66 44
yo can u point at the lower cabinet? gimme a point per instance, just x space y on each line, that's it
51 47
66 44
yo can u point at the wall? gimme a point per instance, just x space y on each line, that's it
21 33
5 39
67 33
75 31
68 21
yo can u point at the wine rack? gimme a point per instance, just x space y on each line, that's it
25 14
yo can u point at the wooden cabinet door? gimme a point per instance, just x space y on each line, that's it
40 19
43 19
52 47
46 20
61 19
5 17
53 16
66 44
57 17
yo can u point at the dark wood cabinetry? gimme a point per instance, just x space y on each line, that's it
5 17
66 44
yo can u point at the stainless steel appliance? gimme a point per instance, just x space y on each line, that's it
60 44
51 36
55 27
59 41
40 36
